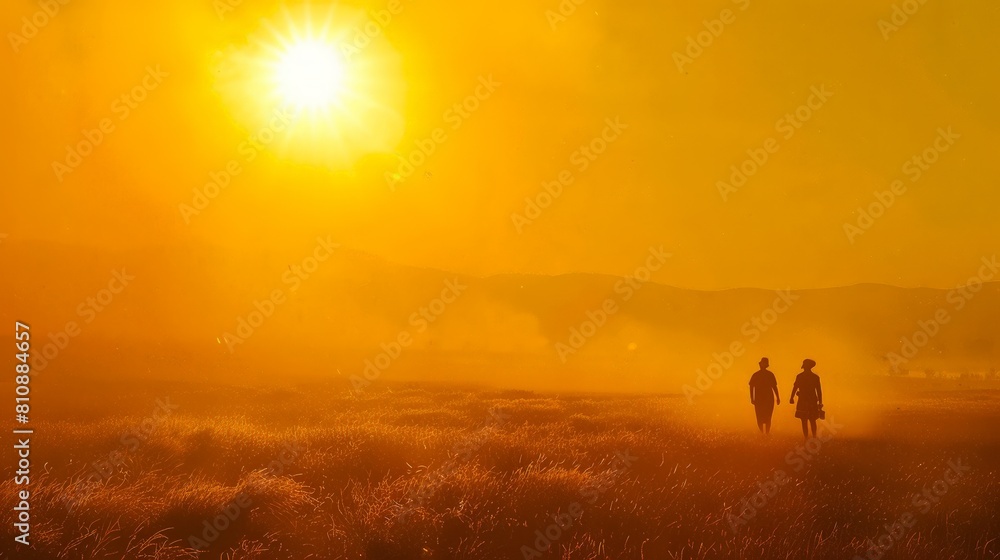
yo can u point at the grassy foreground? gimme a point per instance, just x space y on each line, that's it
408 473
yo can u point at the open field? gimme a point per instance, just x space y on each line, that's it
403 472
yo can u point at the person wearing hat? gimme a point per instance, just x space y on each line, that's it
763 394
810 393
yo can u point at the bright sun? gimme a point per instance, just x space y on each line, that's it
306 86
310 75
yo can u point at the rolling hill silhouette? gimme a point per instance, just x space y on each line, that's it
173 319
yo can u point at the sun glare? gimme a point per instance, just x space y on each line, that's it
310 75
320 92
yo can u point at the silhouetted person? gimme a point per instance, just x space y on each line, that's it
810 394
763 394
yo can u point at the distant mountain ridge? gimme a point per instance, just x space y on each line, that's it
596 328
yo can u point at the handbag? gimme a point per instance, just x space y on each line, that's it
820 412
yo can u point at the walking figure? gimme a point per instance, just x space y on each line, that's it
810 393
763 394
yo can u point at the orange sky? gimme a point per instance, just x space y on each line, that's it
657 182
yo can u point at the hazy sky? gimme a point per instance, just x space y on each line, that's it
880 96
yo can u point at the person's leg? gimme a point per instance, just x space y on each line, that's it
764 414
760 426
812 424
805 429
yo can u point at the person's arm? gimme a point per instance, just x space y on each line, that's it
819 392
751 394
795 389
777 396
